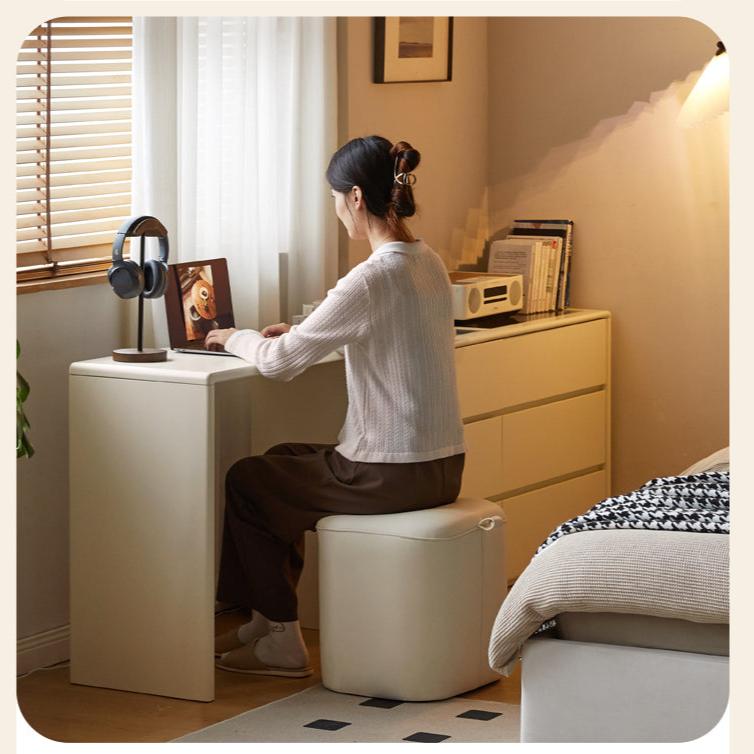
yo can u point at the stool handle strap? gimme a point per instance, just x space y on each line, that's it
489 523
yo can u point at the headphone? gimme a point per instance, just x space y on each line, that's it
127 277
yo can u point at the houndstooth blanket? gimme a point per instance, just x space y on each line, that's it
660 550
700 502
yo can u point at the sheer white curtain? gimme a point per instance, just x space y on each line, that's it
234 123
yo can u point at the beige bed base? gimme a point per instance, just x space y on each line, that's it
575 691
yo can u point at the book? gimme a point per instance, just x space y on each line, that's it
551 246
515 259
562 229
541 265
557 257
544 277
552 252
534 229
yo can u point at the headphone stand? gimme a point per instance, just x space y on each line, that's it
140 353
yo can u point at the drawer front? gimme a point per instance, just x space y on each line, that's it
557 438
532 516
483 471
512 371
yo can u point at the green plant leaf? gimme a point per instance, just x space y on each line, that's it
22 393
23 446
22 388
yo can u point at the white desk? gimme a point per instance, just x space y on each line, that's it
150 445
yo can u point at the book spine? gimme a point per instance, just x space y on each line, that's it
559 256
539 297
551 277
530 287
569 261
533 283
545 274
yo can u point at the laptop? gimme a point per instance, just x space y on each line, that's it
197 300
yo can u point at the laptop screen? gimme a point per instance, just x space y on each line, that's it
197 300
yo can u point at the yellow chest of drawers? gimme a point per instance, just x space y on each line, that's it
535 402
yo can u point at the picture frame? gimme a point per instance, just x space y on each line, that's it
410 49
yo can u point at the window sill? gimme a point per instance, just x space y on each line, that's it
67 281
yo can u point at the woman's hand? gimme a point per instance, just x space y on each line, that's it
216 339
272 331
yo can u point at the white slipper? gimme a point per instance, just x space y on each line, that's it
227 641
244 660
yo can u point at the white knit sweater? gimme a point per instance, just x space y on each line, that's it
393 313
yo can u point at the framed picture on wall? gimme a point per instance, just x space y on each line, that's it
413 48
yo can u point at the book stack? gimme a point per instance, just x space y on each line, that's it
540 251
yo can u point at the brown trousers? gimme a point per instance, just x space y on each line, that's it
272 499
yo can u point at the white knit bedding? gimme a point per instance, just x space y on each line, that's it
668 574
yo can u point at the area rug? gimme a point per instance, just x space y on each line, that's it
317 715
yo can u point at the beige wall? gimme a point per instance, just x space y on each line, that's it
445 121
588 131
55 328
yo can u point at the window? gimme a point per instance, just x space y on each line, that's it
73 145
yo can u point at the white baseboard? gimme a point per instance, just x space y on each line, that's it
42 649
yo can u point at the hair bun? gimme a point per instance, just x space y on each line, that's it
407 158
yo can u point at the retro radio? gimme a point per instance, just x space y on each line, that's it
479 294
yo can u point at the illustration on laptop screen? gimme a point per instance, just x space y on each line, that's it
197 300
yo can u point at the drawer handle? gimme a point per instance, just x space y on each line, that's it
488 524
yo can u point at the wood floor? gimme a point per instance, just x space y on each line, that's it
62 711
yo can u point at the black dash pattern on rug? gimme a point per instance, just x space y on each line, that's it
323 724
479 714
426 738
380 703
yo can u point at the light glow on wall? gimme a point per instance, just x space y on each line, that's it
709 97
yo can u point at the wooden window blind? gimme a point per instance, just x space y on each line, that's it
73 144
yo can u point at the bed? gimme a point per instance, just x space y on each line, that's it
622 626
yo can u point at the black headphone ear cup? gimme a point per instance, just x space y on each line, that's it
126 278
155 278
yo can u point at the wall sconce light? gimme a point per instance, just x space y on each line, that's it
709 97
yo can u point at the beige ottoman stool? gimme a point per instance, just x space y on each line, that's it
407 600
